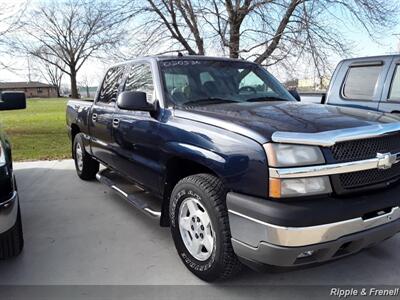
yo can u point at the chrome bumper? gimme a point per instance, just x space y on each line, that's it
268 254
8 213
252 231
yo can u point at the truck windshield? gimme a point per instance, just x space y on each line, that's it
204 82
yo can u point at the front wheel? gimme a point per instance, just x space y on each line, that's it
86 167
200 227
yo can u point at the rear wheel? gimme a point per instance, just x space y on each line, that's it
12 241
86 167
200 227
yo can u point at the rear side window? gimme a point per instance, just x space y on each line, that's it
361 81
394 93
111 83
140 79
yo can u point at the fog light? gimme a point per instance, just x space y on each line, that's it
306 254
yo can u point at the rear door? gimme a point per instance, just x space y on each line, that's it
102 115
358 83
391 92
136 136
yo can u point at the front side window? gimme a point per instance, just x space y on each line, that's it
140 79
361 81
175 83
203 82
111 83
252 83
394 93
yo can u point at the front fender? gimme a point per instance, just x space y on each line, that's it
240 171
197 154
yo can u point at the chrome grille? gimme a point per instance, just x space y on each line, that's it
366 149
369 177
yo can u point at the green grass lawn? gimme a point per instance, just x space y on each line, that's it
38 132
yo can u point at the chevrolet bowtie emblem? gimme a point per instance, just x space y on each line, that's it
386 160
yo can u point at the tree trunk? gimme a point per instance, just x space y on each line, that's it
74 87
234 40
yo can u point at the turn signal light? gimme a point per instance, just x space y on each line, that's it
274 188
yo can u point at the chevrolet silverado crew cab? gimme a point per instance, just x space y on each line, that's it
221 152
11 239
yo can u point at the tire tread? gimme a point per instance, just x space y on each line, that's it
90 166
214 187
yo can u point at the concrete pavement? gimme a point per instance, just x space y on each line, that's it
79 232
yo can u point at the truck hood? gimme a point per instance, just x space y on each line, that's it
260 120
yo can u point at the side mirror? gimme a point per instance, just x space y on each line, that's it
295 94
12 100
132 100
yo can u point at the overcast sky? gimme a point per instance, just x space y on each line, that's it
362 45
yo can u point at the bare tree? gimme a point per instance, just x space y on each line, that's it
66 34
159 21
84 83
52 74
266 31
10 17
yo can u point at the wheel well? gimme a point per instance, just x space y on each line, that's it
177 169
74 131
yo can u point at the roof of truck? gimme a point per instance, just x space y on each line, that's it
377 57
195 57
176 57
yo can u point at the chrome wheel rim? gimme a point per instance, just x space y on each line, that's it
196 229
79 157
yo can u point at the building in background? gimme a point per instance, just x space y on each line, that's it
308 84
32 89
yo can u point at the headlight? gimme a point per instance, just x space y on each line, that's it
295 187
287 155
2 156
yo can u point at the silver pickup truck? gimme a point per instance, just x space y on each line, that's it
367 82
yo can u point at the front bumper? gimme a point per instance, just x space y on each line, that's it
8 212
260 241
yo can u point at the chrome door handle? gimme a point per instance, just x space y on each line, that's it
115 123
94 117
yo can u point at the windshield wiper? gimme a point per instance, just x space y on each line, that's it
210 100
269 98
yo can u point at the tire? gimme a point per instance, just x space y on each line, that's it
12 241
86 167
195 197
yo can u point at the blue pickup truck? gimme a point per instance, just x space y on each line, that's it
242 173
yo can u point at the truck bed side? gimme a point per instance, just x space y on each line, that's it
77 115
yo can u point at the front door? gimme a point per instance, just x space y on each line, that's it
101 117
136 133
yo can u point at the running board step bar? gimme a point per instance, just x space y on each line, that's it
135 195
